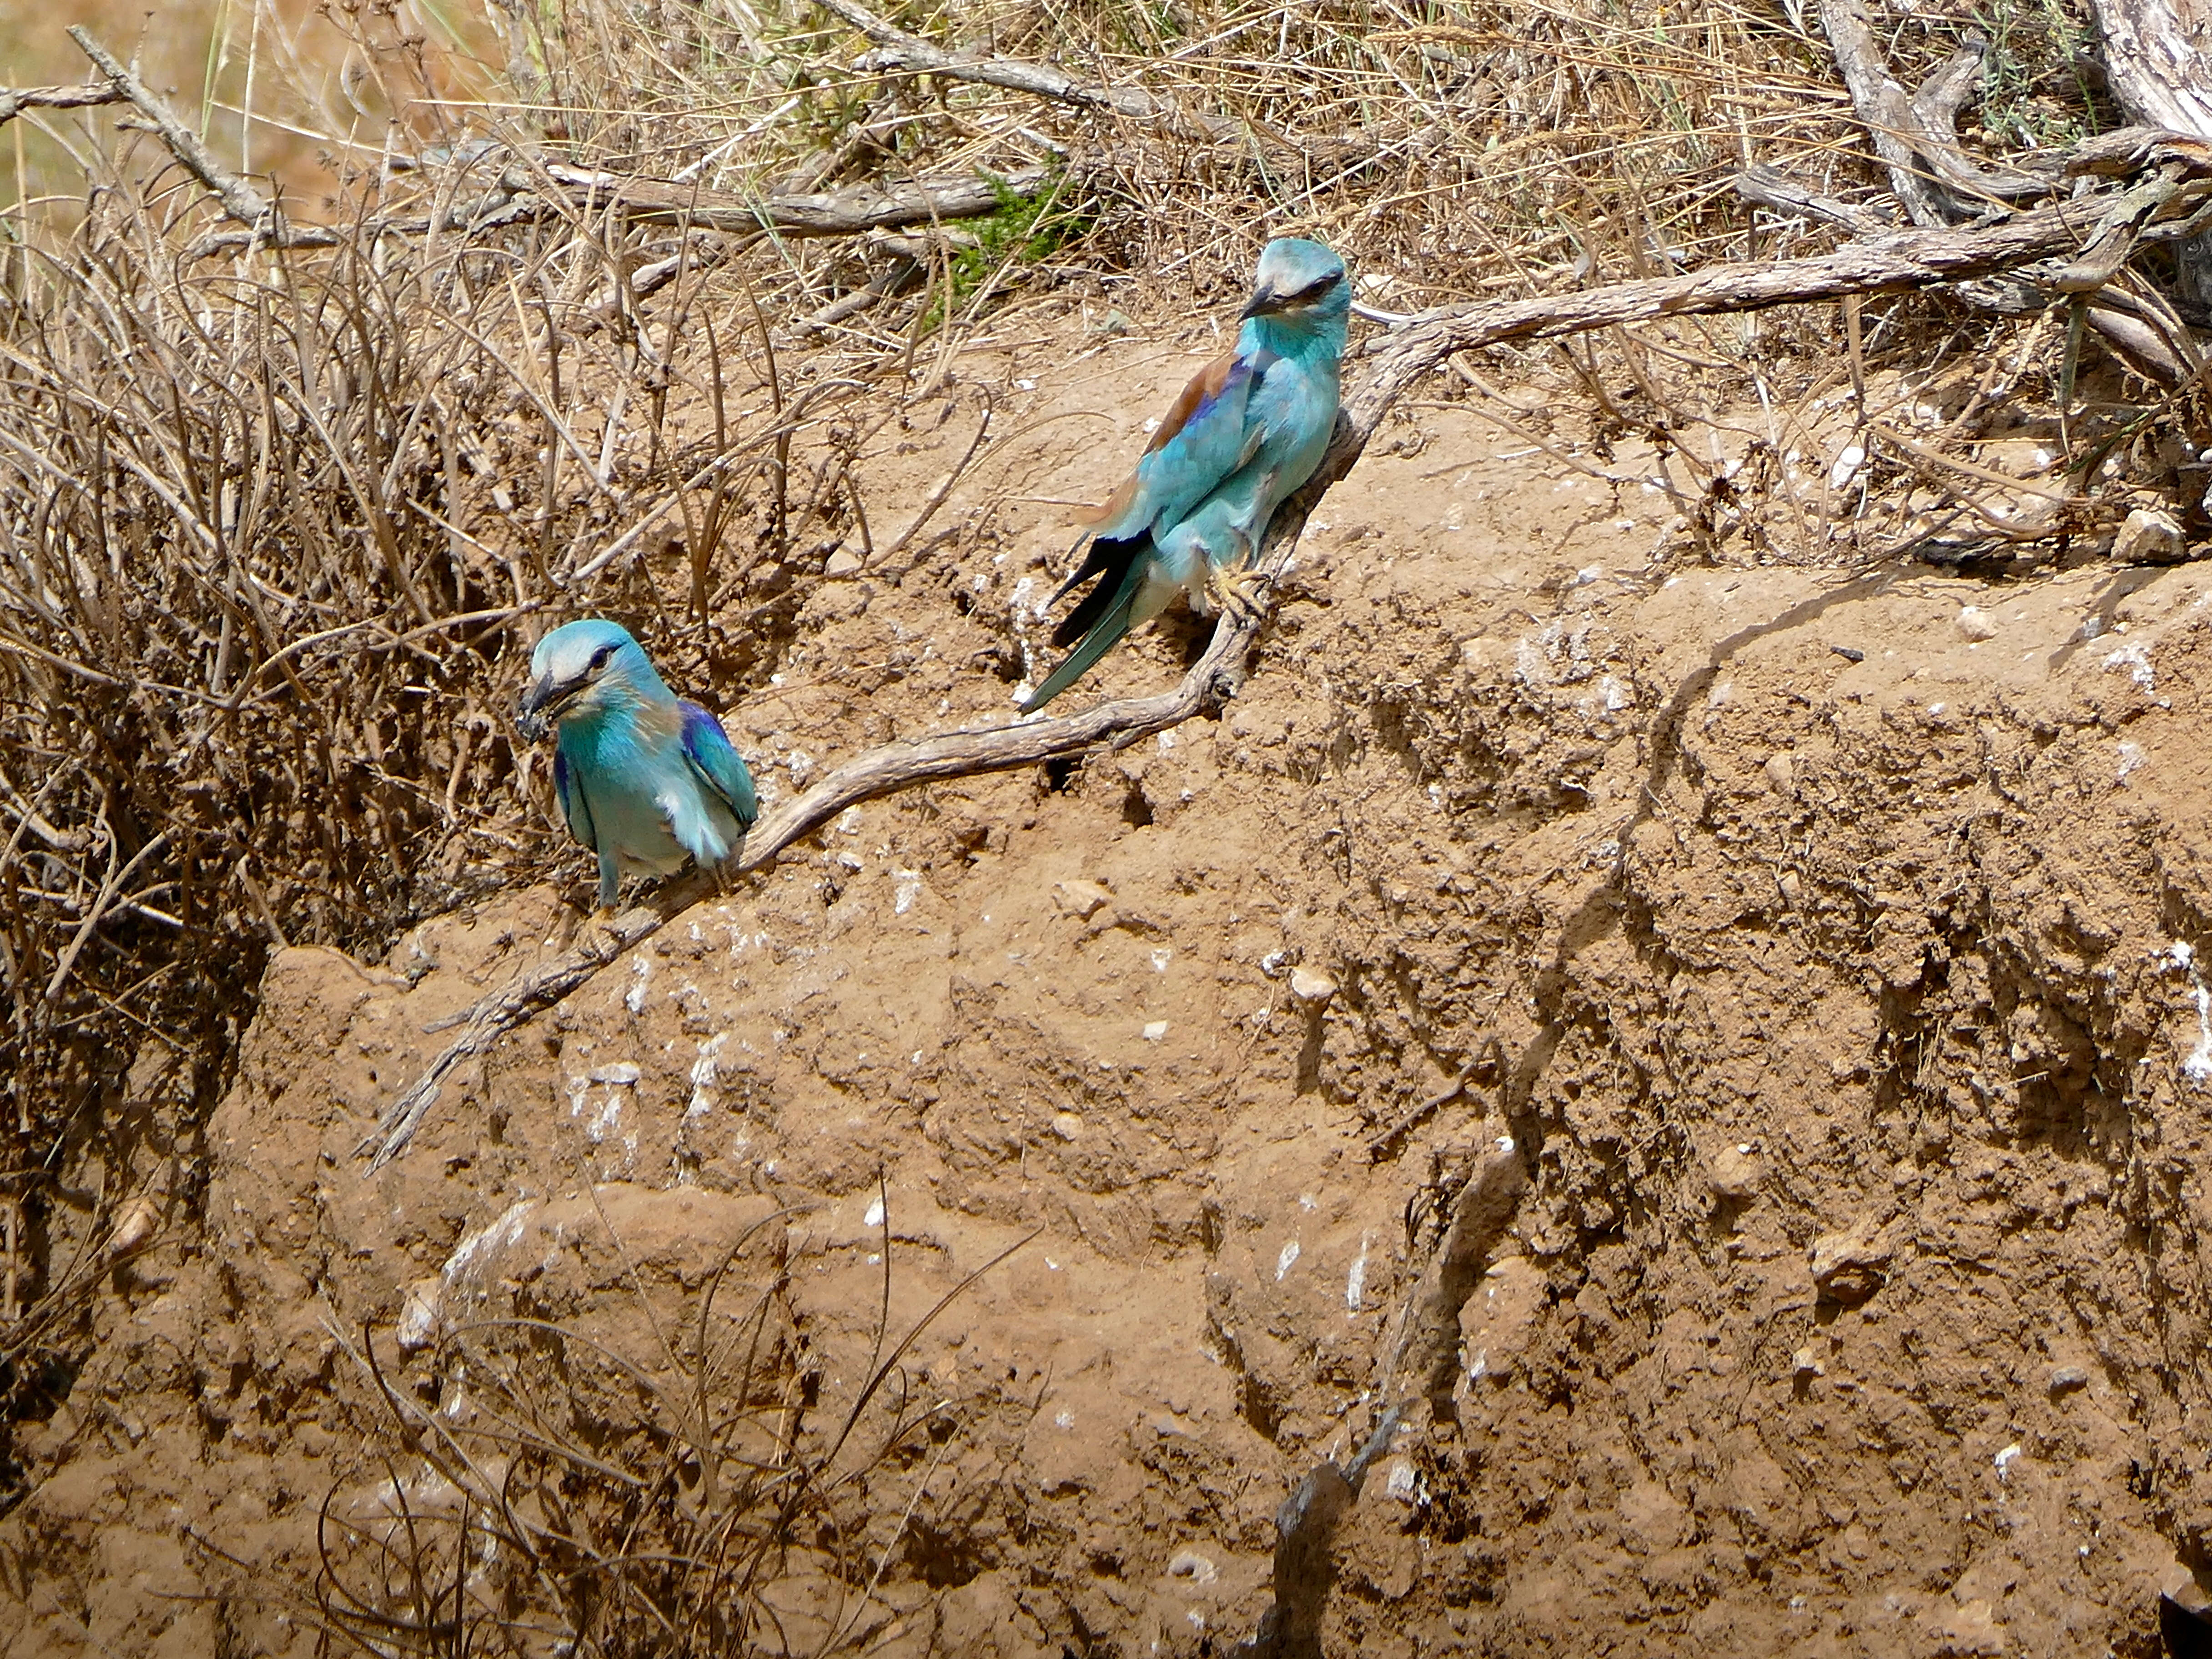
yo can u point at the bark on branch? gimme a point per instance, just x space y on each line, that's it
835 213
2157 68
241 199
520 191
1914 133
898 50
1901 261
14 100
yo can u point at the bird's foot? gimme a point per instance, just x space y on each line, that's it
1241 593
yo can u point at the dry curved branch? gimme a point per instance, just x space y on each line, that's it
239 197
14 100
1895 262
898 50
880 771
1907 260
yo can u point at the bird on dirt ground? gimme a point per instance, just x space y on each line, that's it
1249 430
646 779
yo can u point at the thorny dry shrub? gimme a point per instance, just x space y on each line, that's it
276 528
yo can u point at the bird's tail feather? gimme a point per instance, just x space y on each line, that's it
1112 562
1112 621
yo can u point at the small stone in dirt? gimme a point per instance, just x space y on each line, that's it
133 1227
1969 1632
1733 1173
1081 899
1976 624
1849 1266
1780 771
1156 1030
842 563
1189 1563
2149 537
418 1314
1803 1364
1312 984
2067 1378
1067 1125
1848 653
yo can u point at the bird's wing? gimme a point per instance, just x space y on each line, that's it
706 748
573 807
1203 438
1290 427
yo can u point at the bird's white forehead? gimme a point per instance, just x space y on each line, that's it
1290 264
567 652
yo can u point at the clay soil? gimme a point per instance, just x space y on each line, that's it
1824 941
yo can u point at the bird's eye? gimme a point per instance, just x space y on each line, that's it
600 656
1319 286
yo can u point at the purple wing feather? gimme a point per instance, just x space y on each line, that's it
573 807
708 748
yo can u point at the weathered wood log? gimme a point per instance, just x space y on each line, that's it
2161 75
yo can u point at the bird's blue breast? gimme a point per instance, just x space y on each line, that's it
631 785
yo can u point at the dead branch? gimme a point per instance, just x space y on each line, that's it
879 772
1898 262
14 100
1887 111
835 213
241 199
546 189
1914 134
898 51
563 192
2155 64
1771 188
1936 184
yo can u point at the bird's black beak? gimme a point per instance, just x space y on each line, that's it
538 705
1265 303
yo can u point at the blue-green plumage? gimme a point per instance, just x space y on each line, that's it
646 780
1246 433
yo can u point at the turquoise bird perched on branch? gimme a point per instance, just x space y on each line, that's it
1248 431
646 780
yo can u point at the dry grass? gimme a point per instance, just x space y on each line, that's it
276 528
654 1471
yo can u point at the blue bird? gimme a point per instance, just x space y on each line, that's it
646 780
1248 431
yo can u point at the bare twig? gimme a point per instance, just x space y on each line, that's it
898 50
944 485
14 100
241 199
